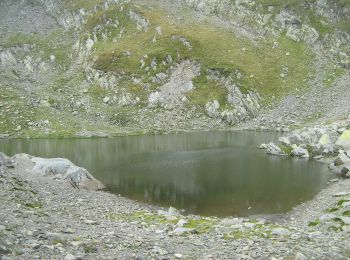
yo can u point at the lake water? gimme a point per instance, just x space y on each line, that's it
210 173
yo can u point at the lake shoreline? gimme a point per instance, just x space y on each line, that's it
47 217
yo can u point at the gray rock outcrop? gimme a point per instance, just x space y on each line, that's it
59 168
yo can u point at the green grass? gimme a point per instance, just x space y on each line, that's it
74 5
314 223
201 225
207 90
332 74
215 49
56 43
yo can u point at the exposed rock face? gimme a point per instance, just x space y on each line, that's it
242 106
59 168
173 92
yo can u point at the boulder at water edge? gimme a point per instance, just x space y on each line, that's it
79 177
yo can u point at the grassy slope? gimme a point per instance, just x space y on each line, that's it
214 48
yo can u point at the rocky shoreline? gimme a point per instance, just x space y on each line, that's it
44 216
327 143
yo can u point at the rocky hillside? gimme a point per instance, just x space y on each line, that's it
111 67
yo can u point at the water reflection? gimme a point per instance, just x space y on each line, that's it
212 173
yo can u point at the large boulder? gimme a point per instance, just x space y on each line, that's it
342 158
300 151
274 150
325 140
3 159
79 177
284 140
344 140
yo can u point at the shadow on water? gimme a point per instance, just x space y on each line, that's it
210 173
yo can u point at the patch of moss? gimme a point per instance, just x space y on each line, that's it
201 225
340 202
346 213
314 223
286 149
330 210
332 75
34 205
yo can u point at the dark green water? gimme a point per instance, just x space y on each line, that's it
212 173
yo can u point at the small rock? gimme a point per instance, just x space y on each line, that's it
346 220
182 230
280 232
70 257
173 211
299 151
178 256
342 193
68 231
263 146
284 140
106 100
90 222
76 243
346 229
300 256
181 222
327 217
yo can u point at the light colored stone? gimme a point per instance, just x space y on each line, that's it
181 231
274 149
300 151
70 257
280 231
344 140
324 140
346 220
284 140
341 159
342 193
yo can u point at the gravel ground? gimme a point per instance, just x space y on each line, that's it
45 217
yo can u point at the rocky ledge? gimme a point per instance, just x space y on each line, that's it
51 208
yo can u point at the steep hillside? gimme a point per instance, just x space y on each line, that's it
111 67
